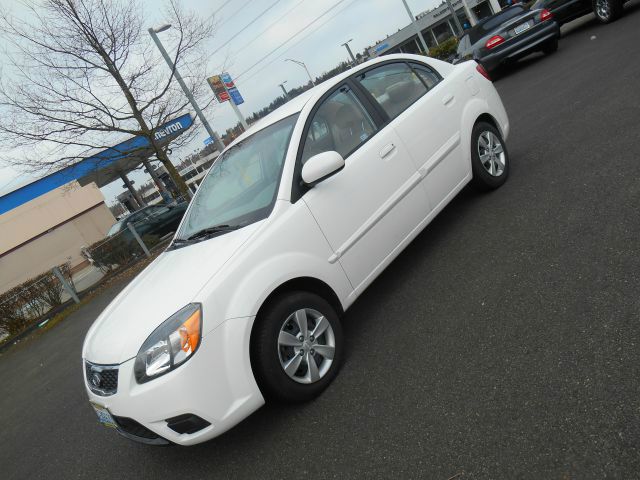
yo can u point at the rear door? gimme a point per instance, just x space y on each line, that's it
425 112
368 208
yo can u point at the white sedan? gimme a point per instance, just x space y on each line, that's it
291 224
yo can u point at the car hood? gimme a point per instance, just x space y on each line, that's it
170 282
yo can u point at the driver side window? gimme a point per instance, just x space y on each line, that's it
341 123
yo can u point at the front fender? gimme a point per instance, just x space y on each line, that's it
289 245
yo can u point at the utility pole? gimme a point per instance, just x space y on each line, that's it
346 45
416 28
153 32
303 65
456 20
286 94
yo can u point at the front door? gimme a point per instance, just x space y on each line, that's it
367 209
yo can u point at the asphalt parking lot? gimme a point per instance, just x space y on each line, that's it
502 344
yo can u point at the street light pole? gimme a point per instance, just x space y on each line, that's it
416 28
153 32
286 94
302 64
346 45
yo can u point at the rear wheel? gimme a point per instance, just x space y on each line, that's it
296 347
489 157
607 11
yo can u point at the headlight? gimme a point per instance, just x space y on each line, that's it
171 344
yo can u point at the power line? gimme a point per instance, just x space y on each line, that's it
291 37
248 25
301 39
225 20
267 29
224 4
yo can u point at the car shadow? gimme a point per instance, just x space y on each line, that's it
404 270
272 421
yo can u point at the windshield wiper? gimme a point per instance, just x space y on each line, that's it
210 231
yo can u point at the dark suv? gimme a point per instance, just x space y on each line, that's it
566 10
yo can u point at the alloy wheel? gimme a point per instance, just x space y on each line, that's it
306 346
491 153
603 9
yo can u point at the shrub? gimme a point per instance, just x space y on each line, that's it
31 300
445 49
49 289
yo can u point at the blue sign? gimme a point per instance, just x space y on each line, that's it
234 93
384 46
208 140
235 96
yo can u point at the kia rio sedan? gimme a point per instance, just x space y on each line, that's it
291 224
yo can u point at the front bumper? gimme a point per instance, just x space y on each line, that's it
521 46
216 384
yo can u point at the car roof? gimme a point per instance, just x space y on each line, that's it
297 104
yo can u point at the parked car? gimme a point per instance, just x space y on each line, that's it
509 35
291 224
158 220
564 11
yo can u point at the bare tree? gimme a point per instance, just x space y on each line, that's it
80 74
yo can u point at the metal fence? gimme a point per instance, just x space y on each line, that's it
22 305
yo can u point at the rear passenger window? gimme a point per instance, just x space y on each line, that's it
340 124
394 86
428 75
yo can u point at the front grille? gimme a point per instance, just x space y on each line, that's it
130 426
102 379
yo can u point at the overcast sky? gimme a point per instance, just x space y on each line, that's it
250 58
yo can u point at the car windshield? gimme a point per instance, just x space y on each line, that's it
491 23
242 184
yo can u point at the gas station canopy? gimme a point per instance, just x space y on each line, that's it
101 168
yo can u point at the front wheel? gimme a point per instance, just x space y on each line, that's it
607 11
296 347
489 157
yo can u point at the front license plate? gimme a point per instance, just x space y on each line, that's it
521 28
104 417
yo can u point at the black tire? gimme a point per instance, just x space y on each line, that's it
265 350
607 11
550 47
482 178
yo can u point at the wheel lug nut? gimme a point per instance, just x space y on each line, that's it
311 338
301 352
301 338
312 351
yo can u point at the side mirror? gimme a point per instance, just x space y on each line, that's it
321 166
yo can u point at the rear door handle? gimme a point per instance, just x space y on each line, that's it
387 150
447 99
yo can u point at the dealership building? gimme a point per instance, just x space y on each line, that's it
47 222
436 25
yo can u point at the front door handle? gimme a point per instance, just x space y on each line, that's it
387 150
447 99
